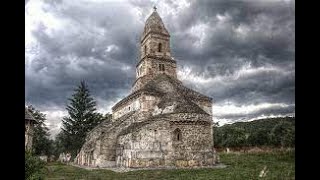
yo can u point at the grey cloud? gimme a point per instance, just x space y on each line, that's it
71 55
265 112
261 87
271 28
269 42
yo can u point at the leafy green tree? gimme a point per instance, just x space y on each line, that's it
42 145
82 117
229 136
283 134
235 137
259 137
217 135
60 144
264 132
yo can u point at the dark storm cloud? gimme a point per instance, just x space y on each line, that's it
217 38
241 52
262 85
96 48
232 34
270 28
93 27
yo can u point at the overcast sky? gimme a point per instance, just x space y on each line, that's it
239 52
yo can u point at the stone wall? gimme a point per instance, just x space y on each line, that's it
145 102
152 144
145 148
148 102
149 68
99 149
155 144
141 103
151 45
131 105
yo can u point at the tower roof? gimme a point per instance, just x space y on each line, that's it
154 24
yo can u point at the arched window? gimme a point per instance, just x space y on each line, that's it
177 135
159 47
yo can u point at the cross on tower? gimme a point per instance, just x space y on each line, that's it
154 8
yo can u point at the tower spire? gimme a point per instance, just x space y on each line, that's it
155 56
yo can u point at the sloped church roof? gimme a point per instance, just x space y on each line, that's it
154 24
179 94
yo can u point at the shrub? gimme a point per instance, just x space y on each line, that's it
33 167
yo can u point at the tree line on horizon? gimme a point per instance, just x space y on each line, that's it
268 132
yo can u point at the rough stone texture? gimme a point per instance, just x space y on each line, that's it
154 90
161 123
148 68
154 143
155 50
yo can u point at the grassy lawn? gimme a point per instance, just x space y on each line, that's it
279 165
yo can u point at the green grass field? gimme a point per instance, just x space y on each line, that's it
279 165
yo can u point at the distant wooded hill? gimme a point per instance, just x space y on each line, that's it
275 132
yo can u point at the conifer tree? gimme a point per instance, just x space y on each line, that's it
82 117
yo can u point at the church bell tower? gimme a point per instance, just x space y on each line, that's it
155 54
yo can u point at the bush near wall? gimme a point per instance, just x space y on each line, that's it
34 167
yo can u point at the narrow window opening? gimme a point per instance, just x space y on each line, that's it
161 67
177 134
140 70
159 47
145 50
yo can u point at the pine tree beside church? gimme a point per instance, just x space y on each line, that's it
82 117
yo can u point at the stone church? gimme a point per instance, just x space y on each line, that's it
161 123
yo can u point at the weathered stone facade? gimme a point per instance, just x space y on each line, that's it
161 123
168 140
